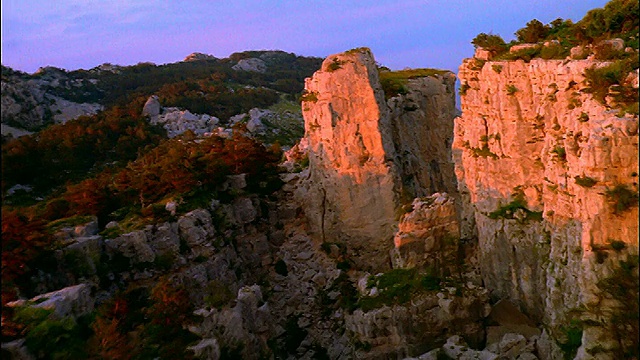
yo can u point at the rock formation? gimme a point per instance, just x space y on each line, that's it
33 103
360 170
544 168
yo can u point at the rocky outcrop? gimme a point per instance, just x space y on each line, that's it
360 174
428 236
31 102
196 56
400 330
177 121
543 166
251 64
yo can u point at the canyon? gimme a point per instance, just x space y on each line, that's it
403 229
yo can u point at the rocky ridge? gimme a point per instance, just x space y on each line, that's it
31 104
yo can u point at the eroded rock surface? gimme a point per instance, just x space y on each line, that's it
359 145
537 158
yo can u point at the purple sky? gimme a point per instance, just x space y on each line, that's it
74 34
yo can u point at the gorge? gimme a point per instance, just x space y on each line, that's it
397 227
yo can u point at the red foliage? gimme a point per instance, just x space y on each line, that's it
22 240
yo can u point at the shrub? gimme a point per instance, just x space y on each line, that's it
621 198
511 89
484 152
335 65
493 43
397 287
584 117
463 89
617 245
560 153
518 203
585 181
497 68
572 339
309 97
554 52
533 32
218 294
601 79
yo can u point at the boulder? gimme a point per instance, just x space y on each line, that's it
151 107
72 301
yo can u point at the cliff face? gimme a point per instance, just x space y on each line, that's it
365 154
540 164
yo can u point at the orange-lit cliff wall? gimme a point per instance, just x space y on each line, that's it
530 132
369 156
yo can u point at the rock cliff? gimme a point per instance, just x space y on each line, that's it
366 152
550 178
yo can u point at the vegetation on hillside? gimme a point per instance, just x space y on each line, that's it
618 19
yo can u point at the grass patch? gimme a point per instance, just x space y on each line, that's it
397 287
72 221
394 82
518 203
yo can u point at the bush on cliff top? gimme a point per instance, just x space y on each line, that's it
394 82
618 19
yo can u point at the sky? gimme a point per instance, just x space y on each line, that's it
82 34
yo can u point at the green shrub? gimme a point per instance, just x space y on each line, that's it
617 245
585 181
584 117
335 65
497 68
463 89
511 89
309 97
533 32
572 339
493 43
560 153
218 294
621 198
49 337
600 80
554 52
397 287
524 54
518 203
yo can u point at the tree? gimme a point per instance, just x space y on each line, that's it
493 43
533 32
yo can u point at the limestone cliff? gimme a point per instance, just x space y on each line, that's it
366 153
543 167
